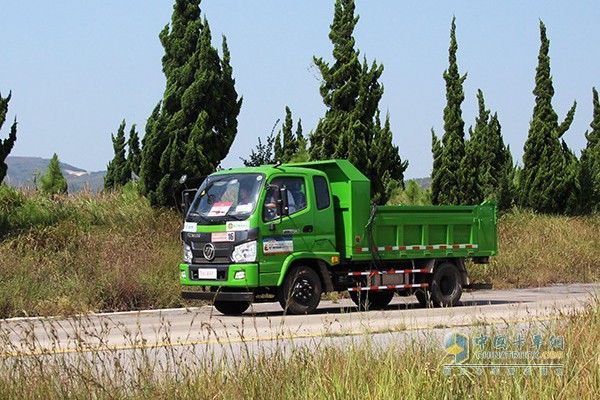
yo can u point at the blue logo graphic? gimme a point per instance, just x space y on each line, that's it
457 344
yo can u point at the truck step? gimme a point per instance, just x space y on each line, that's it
388 287
389 272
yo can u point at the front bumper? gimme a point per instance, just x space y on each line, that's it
188 275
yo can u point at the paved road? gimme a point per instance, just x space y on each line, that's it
265 327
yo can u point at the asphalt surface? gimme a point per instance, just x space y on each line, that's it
197 332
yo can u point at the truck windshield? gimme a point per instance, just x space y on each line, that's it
227 197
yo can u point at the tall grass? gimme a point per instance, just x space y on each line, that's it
112 251
86 252
538 250
357 370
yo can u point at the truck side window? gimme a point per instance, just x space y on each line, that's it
296 197
322 192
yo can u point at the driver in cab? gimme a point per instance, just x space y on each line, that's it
273 196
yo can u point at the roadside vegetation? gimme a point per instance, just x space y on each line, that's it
86 252
361 369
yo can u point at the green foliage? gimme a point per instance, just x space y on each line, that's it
589 167
118 172
262 154
450 173
487 167
285 147
411 195
351 92
548 180
53 182
6 145
134 153
197 118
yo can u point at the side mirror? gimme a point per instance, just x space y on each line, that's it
283 207
186 200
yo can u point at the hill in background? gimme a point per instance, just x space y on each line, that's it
22 172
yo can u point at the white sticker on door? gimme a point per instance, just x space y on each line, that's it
278 245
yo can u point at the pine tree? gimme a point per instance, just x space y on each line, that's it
487 165
547 181
290 142
450 175
589 168
197 117
134 153
6 145
53 182
351 92
437 171
262 155
278 149
118 172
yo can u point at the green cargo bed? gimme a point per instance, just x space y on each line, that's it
430 232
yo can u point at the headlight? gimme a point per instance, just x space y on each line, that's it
244 252
187 253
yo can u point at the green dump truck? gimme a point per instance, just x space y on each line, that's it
291 232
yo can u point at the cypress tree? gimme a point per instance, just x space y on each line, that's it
53 182
438 167
547 181
450 178
197 117
118 171
589 168
277 148
351 92
134 152
6 145
290 142
262 154
302 151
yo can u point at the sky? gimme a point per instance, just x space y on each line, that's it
77 69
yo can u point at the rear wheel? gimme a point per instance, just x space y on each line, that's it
371 300
446 285
231 307
301 291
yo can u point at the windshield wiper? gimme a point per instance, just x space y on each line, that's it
197 215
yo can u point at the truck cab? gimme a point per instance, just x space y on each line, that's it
245 228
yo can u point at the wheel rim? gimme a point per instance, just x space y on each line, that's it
303 292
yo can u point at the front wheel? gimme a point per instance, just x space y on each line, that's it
231 307
446 285
301 291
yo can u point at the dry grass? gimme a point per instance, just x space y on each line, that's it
112 252
538 250
411 370
88 253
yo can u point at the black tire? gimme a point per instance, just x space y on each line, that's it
231 307
446 285
372 300
301 291
423 297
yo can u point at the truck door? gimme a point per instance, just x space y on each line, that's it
293 233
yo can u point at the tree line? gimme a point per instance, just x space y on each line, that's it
193 126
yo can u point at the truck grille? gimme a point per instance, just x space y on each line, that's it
222 253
